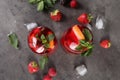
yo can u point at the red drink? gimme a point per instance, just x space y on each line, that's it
71 39
42 41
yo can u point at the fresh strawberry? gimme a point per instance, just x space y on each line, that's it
105 43
56 15
85 18
47 77
33 67
52 72
73 4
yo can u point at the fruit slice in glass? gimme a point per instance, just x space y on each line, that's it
42 40
77 40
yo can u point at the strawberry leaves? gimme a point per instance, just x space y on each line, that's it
13 40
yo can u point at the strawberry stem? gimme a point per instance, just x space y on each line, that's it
90 17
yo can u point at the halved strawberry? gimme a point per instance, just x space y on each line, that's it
105 43
33 67
56 15
85 18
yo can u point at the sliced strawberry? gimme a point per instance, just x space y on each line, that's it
56 15
52 72
105 44
33 67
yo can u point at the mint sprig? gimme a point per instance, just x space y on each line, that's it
45 39
43 4
85 44
43 61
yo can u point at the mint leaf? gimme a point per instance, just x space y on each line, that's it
13 40
87 53
43 62
49 3
40 6
47 45
32 1
42 37
51 37
87 34
79 47
54 1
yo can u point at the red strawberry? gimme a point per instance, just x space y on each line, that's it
105 44
85 18
52 72
33 67
47 77
56 15
73 4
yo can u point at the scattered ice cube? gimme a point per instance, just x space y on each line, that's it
81 70
40 49
89 26
30 26
73 45
99 23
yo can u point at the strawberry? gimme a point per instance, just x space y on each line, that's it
52 72
33 67
56 15
105 43
73 4
47 77
85 18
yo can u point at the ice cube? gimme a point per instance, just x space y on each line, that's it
73 45
81 70
40 49
34 41
99 23
30 26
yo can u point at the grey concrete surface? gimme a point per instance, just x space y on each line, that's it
103 64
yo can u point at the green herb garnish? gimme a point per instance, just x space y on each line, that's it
85 44
45 39
43 4
13 40
43 61
87 34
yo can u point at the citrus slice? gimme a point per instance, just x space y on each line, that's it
51 44
78 32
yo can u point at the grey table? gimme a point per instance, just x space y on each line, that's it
103 64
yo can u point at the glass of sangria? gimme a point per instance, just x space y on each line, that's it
42 41
78 40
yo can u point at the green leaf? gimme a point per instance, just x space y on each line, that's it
79 47
43 62
40 6
49 3
47 45
87 34
51 37
42 37
54 1
32 1
87 53
13 40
